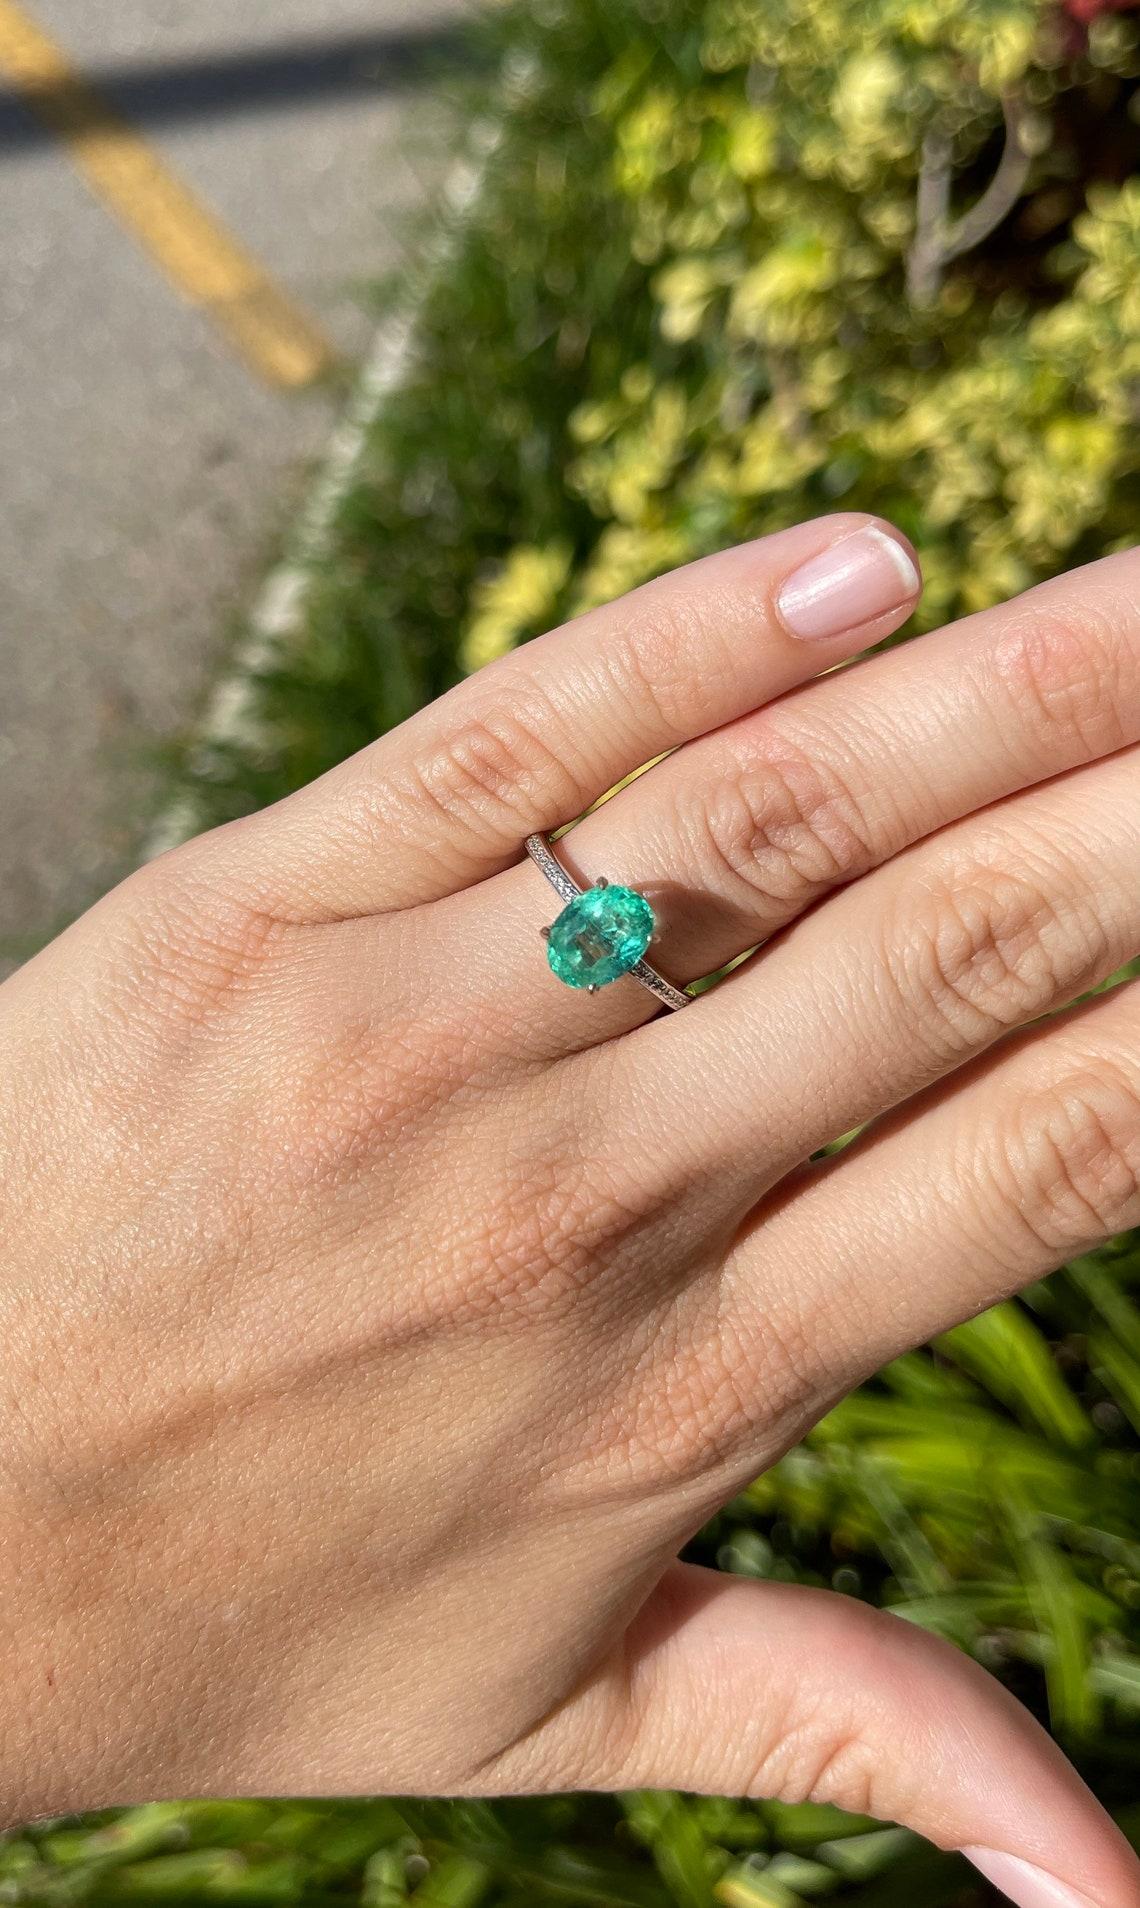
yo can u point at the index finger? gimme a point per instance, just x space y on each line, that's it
450 796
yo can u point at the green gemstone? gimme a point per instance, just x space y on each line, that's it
600 936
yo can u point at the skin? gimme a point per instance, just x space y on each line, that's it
380 1318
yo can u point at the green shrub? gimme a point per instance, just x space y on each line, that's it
696 302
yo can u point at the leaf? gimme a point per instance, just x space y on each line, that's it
1074 1705
1006 1351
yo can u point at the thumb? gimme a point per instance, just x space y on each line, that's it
758 1689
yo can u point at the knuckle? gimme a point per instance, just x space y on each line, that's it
1072 1154
781 1364
1066 673
552 1228
684 1424
814 1762
782 830
986 949
346 1101
831 1752
187 951
489 769
709 1391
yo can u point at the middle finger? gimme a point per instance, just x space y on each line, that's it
736 834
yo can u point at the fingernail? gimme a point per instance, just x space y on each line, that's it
862 577
1023 1882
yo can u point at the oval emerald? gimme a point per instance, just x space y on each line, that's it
599 936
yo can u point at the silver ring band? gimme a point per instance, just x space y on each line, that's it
565 886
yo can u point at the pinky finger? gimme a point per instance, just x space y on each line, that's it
964 1196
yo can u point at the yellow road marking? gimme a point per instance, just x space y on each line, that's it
195 252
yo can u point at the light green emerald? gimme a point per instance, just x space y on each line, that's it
599 936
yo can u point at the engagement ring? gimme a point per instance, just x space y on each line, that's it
601 934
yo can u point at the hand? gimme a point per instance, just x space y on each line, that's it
380 1316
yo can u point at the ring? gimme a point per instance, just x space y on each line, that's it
601 933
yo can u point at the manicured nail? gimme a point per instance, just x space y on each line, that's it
860 578
1023 1882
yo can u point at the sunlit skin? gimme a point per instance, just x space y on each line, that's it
381 1316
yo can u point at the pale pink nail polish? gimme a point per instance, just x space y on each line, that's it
1025 1884
860 578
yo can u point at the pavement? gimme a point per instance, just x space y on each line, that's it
146 470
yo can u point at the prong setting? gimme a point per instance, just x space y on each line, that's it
589 933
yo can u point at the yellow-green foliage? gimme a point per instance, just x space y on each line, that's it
773 196
697 301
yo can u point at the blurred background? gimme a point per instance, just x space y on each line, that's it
149 463
347 343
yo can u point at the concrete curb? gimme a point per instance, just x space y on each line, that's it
276 619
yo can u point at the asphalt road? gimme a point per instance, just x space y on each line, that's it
145 471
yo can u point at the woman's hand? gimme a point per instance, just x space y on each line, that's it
380 1316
